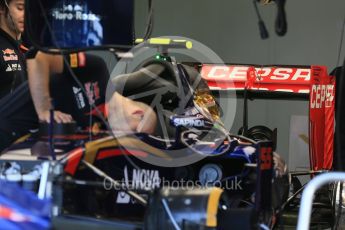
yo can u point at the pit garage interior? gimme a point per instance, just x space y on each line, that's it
71 192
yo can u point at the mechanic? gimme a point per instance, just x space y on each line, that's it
12 61
39 70
17 114
49 75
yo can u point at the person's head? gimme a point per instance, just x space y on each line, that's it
128 116
12 17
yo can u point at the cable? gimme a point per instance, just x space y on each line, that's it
290 199
100 173
262 26
75 78
264 227
90 115
243 138
245 112
171 217
280 23
150 21
340 205
341 42
51 131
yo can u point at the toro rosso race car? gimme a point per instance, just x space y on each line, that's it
102 174
190 155
189 172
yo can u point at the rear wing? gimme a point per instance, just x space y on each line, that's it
308 82
260 78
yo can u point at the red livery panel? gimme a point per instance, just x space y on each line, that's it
267 78
312 80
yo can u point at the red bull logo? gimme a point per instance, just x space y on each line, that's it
9 55
8 52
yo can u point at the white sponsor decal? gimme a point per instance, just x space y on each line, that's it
16 67
13 67
70 12
79 97
92 91
76 90
123 198
144 179
13 57
189 122
9 69
321 96
239 73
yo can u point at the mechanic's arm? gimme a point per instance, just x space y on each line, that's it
39 71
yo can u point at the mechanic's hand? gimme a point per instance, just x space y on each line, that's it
59 117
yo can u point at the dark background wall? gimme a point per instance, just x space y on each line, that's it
229 27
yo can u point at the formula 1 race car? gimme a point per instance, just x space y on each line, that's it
107 176
189 173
